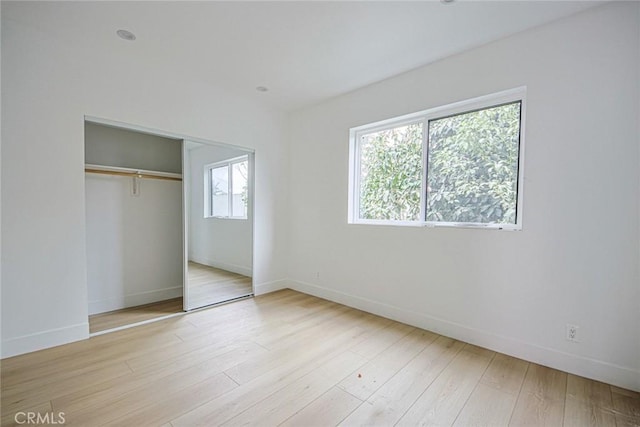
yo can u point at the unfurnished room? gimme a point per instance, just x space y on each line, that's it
320 213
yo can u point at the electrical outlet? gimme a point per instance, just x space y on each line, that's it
572 333
317 275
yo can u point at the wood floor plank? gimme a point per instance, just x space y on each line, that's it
175 404
11 417
387 405
625 421
307 324
580 413
327 410
487 406
505 373
586 390
277 407
533 411
228 406
196 350
100 393
546 383
625 392
390 335
384 366
363 327
245 372
18 396
115 404
542 398
443 400
626 403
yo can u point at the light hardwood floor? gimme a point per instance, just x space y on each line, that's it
295 360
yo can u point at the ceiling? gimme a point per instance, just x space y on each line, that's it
303 51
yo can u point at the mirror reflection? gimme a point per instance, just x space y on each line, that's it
219 224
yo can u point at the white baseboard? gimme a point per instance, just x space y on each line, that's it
578 365
124 301
238 269
45 339
265 288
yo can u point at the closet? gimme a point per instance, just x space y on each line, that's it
134 220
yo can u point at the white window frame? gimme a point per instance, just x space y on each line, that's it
208 202
467 106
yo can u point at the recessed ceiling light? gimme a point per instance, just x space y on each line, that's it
262 88
126 35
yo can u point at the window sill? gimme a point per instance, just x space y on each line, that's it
500 227
235 218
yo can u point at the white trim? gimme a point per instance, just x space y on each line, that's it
506 227
389 124
599 370
389 222
251 212
186 210
132 300
425 169
45 339
520 195
353 207
433 224
238 159
461 107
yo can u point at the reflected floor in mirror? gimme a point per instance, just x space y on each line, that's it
209 285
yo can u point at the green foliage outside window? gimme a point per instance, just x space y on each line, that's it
473 166
472 169
391 174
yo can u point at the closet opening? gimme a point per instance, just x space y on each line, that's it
151 251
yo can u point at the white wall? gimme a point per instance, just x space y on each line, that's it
218 242
47 88
134 243
576 259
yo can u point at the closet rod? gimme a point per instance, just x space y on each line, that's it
131 173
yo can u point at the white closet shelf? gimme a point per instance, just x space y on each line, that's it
135 173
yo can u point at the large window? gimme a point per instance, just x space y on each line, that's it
226 188
457 165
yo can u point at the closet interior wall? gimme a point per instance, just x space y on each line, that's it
134 226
